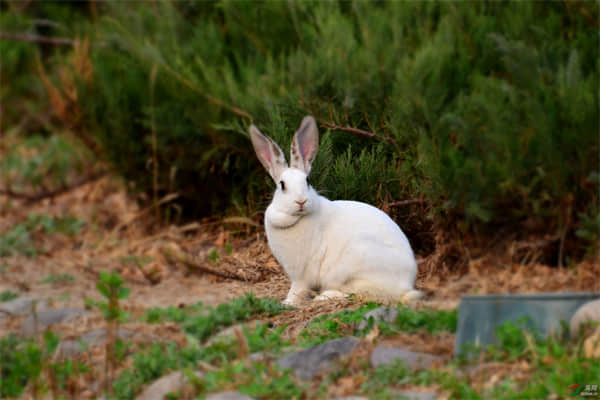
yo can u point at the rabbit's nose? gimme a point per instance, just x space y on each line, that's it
301 203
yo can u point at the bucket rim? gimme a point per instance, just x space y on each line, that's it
532 296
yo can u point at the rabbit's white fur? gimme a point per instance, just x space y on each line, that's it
335 247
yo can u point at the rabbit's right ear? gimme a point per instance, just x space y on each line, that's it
305 145
268 152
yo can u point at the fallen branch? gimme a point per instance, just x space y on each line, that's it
165 199
406 202
241 220
35 197
173 253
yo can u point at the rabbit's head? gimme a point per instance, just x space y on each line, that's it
293 194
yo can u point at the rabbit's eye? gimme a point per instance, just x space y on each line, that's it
282 185
307 181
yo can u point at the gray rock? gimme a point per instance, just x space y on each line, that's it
228 396
410 395
22 306
173 382
71 347
589 312
383 355
351 398
225 335
310 362
260 356
385 314
45 318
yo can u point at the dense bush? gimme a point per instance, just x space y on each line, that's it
487 111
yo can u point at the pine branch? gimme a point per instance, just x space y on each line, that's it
356 131
406 202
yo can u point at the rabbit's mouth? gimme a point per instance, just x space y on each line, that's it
301 212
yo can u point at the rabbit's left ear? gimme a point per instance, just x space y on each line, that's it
305 145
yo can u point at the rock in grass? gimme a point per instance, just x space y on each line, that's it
45 318
228 396
308 363
383 355
411 395
351 398
22 306
171 383
381 314
70 348
589 312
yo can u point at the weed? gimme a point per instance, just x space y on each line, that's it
112 288
18 240
201 321
214 256
7 295
47 161
428 319
408 320
333 326
58 279
256 380
147 366
23 362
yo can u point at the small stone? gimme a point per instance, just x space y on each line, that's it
171 383
411 395
381 314
91 339
45 318
310 362
383 355
224 335
22 306
260 356
589 312
351 398
228 396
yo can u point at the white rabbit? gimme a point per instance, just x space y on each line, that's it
332 247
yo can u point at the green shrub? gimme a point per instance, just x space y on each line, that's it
488 111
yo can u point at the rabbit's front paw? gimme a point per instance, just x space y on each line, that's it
291 301
330 294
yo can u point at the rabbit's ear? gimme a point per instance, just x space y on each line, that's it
268 152
305 145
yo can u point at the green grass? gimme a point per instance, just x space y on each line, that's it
22 362
58 279
202 321
554 364
428 319
7 295
408 320
19 239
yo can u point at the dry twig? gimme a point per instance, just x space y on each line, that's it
35 197
174 254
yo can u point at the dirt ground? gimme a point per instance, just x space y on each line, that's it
168 266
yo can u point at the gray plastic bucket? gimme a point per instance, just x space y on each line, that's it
480 316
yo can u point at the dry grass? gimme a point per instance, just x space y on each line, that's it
119 235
